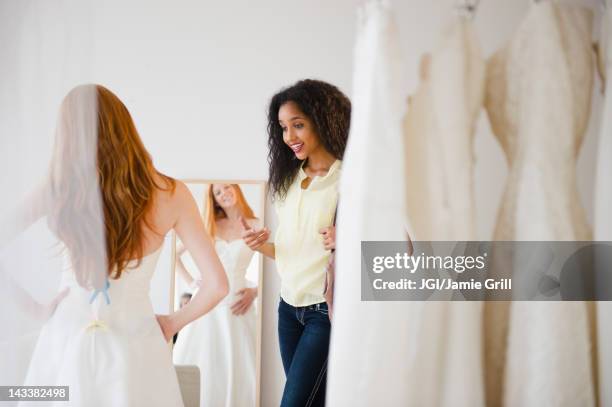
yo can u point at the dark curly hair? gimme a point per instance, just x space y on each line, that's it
330 112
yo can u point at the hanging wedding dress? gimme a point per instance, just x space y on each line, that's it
222 344
107 345
390 353
538 99
603 203
371 350
439 128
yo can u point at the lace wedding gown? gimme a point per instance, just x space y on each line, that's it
538 98
222 344
107 346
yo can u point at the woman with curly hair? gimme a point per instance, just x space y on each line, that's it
308 126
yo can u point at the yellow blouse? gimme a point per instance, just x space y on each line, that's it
300 256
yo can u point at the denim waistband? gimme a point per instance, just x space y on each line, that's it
314 307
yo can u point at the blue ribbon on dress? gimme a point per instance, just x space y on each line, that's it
104 291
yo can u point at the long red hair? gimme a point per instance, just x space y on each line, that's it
102 174
213 212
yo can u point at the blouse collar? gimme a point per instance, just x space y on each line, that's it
319 182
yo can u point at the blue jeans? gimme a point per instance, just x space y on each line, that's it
303 335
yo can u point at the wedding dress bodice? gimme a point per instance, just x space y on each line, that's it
538 98
235 256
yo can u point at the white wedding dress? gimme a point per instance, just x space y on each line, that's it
372 350
439 128
538 99
222 344
603 203
412 353
107 346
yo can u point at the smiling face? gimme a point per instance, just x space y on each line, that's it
298 131
225 195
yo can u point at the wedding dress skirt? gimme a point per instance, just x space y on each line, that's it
107 346
222 344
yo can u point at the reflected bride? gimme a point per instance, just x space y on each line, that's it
222 344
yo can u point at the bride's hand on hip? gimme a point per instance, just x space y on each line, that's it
167 326
242 305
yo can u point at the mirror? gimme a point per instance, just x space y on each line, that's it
225 343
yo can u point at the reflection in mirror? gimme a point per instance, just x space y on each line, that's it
224 343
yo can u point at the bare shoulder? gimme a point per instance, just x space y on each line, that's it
180 191
182 195
172 198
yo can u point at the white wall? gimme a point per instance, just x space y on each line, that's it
197 75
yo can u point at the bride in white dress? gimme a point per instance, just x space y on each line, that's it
222 343
110 209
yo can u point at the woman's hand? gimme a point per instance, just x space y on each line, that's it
167 326
329 237
247 296
255 239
